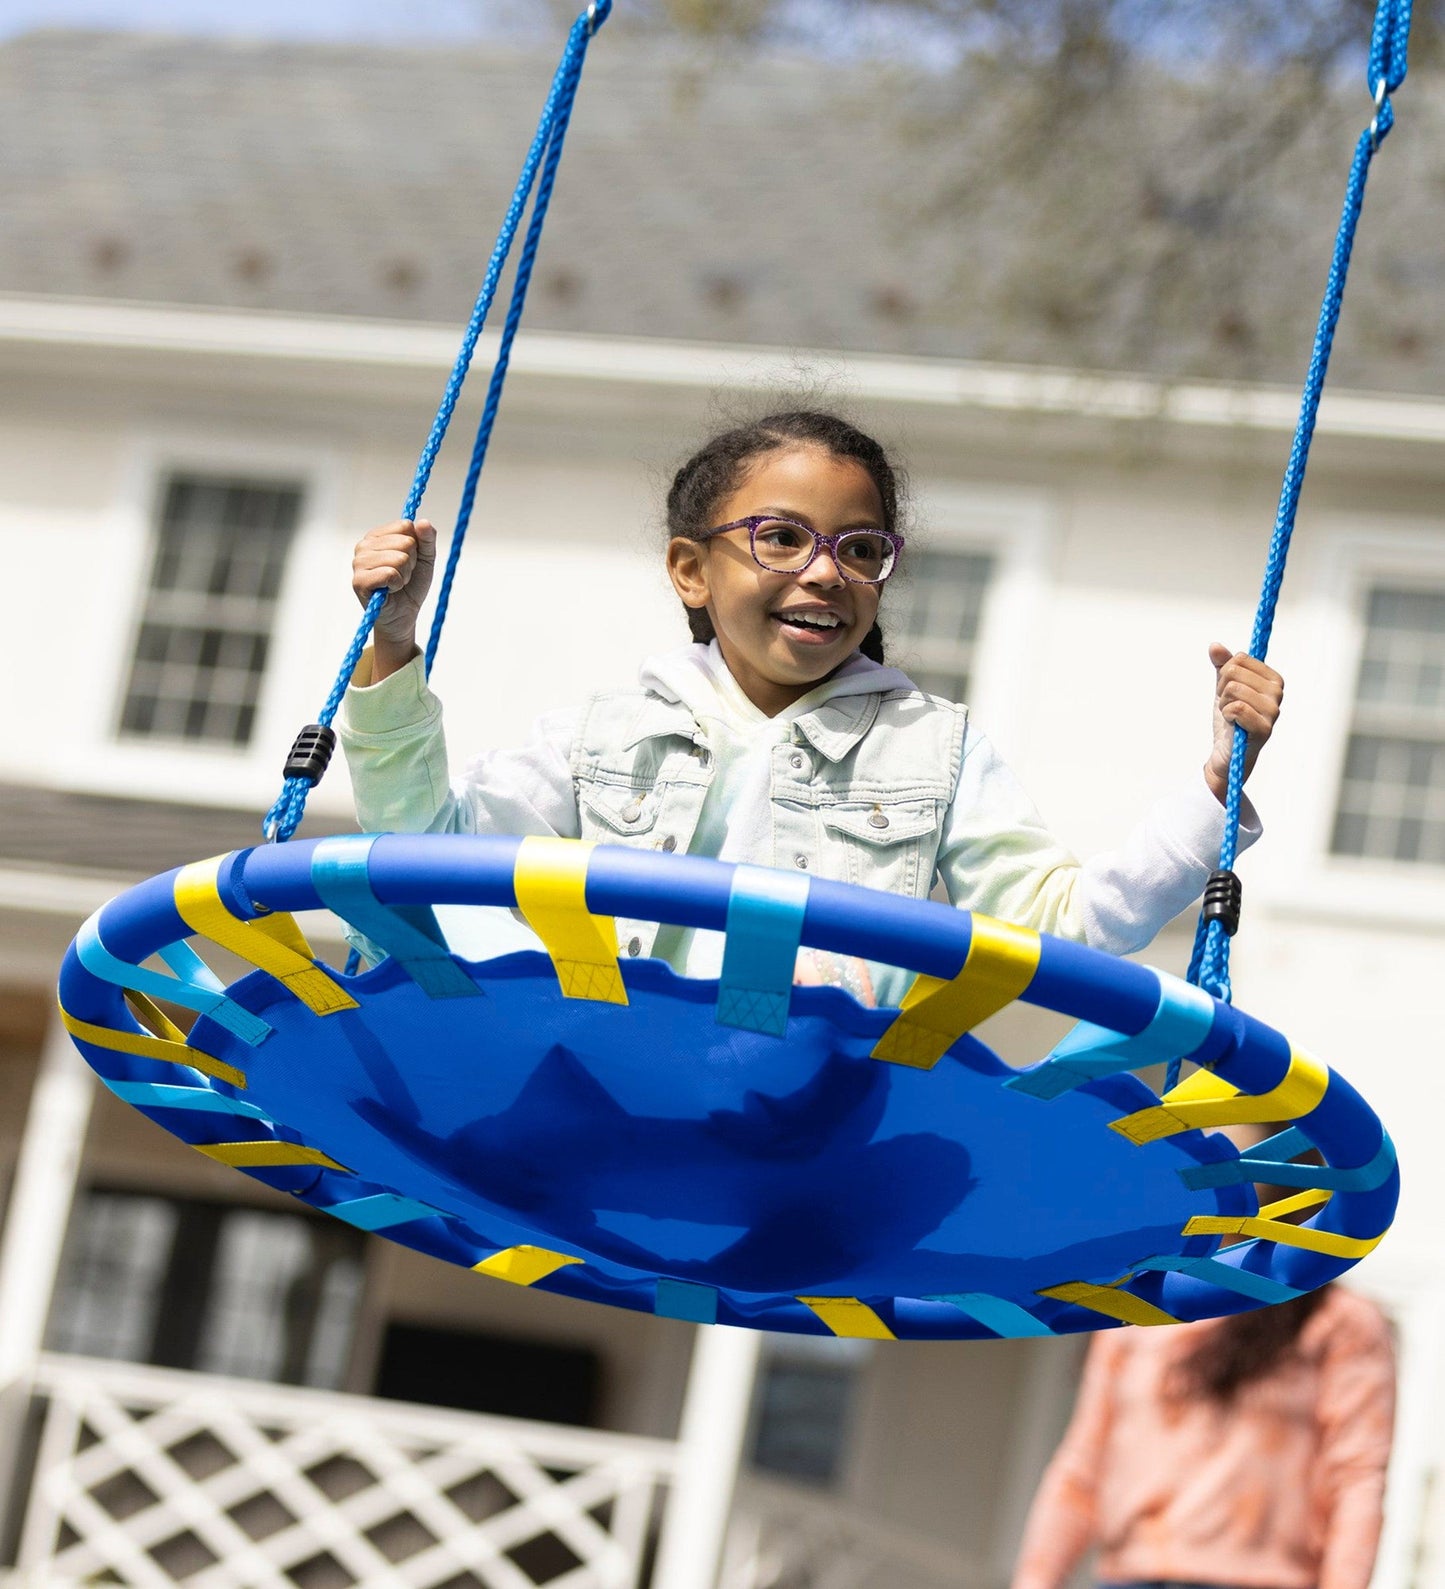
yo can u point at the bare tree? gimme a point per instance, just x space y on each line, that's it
1136 183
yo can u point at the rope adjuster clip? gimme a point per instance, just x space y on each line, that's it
1381 94
310 753
1223 900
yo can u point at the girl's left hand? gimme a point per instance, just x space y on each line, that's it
1245 692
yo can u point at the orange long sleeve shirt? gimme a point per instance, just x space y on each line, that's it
1281 1489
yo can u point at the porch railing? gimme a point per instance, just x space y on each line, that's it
148 1478
781 1537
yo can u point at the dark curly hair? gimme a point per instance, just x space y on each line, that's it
1244 1348
717 469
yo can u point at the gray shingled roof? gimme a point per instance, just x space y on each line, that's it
770 201
46 828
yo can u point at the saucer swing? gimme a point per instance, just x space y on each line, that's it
738 1150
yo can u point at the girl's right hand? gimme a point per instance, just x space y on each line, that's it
399 558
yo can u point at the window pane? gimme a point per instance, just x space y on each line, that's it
109 1291
201 650
282 1300
938 613
802 1418
1391 801
193 1284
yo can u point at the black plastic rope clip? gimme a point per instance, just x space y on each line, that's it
310 753
1223 900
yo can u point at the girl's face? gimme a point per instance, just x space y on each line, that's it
775 658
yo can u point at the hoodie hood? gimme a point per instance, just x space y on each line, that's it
699 678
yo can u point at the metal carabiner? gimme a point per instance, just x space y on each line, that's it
1380 94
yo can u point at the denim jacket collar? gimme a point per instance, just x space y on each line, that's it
832 729
835 727
659 718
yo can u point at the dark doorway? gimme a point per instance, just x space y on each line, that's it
479 1372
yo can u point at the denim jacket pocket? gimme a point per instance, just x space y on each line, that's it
890 846
617 813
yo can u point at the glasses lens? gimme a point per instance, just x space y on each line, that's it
865 556
782 545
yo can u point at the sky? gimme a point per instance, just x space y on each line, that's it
841 30
382 20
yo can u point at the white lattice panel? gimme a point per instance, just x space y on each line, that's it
149 1478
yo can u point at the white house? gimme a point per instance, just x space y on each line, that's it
227 294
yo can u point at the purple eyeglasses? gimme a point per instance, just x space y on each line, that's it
866 557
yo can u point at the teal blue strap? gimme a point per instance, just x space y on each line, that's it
187 964
1269 1162
1006 1319
764 929
408 933
194 986
1178 1027
163 1095
1260 1288
381 1211
682 1299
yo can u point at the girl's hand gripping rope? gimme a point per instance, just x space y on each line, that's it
1248 693
399 558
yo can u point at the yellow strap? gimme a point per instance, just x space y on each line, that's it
286 930
1001 962
1204 1099
523 1266
266 1155
551 881
1314 1198
173 1052
273 945
1270 1225
153 1016
1111 1302
849 1318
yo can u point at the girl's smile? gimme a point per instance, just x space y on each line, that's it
782 633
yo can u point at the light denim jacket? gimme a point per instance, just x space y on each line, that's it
858 791
873 782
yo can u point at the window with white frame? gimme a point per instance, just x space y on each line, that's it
937 618
1391 803
225 1289
804 1405
205 631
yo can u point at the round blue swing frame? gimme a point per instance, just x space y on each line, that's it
738 1150
809 1151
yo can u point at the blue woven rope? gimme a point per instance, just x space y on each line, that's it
544 153
523 278
1209 964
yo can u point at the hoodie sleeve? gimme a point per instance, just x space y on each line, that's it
397 755
998 857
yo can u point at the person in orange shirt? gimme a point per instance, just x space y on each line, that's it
1247 1451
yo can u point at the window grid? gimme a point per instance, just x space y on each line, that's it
941 613
109 1288
204 637
1391 802
249 1293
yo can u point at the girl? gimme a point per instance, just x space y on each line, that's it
779 736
